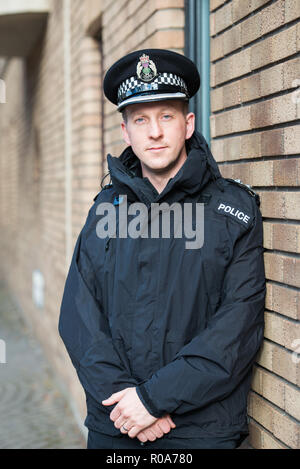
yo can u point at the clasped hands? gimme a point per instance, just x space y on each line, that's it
132 414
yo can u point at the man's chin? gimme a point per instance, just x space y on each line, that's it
162 165
161 169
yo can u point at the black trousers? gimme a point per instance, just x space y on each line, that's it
98 440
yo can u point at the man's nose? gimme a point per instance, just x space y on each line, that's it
155 129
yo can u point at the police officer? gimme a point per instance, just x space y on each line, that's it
163 337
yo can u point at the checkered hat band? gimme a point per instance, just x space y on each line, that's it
133 85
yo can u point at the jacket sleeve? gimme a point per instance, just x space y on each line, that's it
85 332
211 366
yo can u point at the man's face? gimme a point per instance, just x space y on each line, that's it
157 133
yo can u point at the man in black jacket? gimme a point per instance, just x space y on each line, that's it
163 332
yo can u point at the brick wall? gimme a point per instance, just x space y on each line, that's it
256 138
53 139
56 129
33 126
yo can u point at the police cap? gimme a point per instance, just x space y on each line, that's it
151 75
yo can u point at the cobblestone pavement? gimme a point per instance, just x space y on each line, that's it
34 412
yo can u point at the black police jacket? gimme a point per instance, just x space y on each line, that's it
181 325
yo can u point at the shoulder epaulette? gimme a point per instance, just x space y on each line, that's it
107 186
246 187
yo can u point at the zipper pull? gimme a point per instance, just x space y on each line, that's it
107 244
108 241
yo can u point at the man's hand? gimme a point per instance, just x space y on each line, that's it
157 430
129 412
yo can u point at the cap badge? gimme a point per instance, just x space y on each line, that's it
146 69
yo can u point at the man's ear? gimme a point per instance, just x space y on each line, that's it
190 125
125 133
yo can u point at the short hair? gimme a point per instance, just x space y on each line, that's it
124 115
185 110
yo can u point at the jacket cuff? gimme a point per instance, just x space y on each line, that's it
142 393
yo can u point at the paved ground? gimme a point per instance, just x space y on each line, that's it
34 413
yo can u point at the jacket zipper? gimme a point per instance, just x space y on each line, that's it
107 244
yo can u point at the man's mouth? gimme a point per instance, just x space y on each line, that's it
156 149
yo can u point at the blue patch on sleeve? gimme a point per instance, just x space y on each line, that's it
118 200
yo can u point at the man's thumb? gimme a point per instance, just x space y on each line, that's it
171 421
113 398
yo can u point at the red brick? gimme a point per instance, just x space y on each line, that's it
292 401
214 4
268 235
291 271
286 430
251 145
217 48
269 442
274 48
242 172
286 237
261 114
265 356
286 172
250 88
261 411
283 44
282 268
242 8
283 365
260 54
261 173
251 28
227 171
255 435
283 110
291 140
292 203
272 80
231 39
274 328
223 17
231 94
212 24
292 10
216 99
272 204
283 300
256 383
272 17
273 389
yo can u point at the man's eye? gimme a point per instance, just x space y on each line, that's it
167 116
139 120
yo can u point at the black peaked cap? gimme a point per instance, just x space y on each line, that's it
135 86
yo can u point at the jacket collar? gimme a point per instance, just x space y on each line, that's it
198 169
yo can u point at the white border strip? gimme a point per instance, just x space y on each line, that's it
68 132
